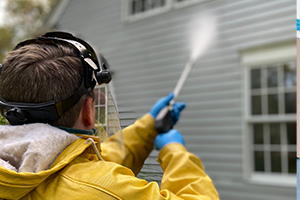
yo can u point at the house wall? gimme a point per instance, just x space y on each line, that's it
147 57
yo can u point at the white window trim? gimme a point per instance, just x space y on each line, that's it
256 57
170 5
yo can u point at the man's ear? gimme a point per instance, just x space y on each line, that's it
86 119
88 113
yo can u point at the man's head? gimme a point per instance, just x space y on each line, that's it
43 72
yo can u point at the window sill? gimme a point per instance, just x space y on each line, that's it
273 180
272 118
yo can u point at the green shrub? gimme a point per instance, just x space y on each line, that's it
3 121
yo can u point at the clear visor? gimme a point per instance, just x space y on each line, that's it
107 122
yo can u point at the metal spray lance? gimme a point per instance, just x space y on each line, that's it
163 121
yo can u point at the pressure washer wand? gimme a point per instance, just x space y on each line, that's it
189 65
163 121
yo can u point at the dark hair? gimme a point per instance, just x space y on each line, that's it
39 73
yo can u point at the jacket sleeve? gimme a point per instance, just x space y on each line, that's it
184 175
183 179
138 140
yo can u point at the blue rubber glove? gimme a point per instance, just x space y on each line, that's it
169 137
161 104
176 109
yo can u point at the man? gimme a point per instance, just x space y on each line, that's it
47 83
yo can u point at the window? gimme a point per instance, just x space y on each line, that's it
270 114
138 6
139 9
273 92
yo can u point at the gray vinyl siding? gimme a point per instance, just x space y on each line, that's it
148 55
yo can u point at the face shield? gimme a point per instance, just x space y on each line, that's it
107 123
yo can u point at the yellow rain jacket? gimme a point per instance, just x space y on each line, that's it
78 174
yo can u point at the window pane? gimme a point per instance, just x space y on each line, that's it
97 120
133 11
143 5
258 134
273 103
272 77
292 162
149 4
136 6
100 96
255 78
97 96
102 115
291 132
290 74
103 97
276 161
275 133
256 105
157 3
290 102
259 164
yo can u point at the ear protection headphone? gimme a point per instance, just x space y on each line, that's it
94 70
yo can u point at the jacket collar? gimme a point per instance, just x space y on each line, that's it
78 131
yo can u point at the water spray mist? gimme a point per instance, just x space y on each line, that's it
200 40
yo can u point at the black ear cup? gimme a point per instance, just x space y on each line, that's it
103 77
15 116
